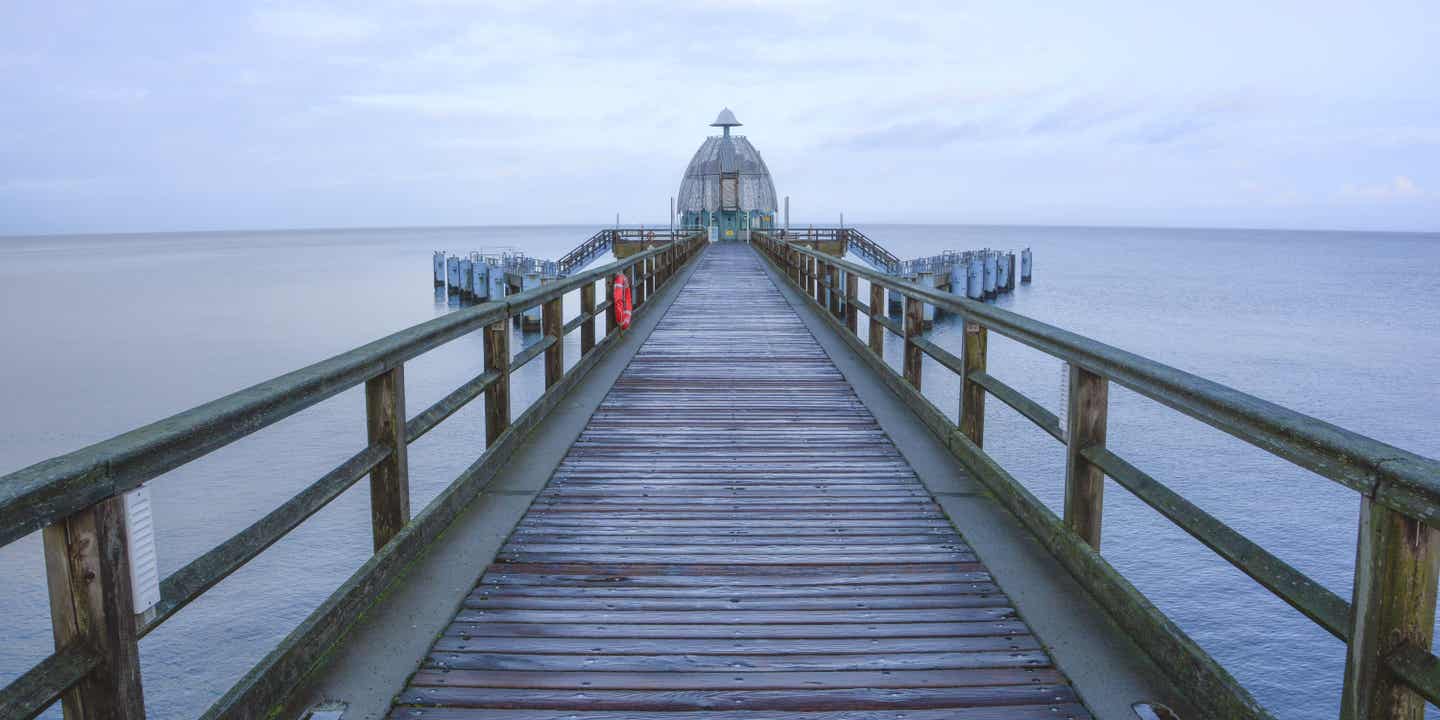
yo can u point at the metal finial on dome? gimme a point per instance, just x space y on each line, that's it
725 119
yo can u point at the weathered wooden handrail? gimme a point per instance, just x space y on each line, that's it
77 498
1388 631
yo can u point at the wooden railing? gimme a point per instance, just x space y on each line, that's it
1388 623
77 499
854 241
603 240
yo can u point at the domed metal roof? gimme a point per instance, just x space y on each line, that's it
700 188
725 119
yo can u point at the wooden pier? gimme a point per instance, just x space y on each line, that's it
732 532
729 531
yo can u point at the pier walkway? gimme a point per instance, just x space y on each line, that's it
733 531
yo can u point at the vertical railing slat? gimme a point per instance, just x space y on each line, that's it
914 325
877 309
852 312
972 395
1085 428
1393 605
497 397
552 324
587 308
91 602
390 478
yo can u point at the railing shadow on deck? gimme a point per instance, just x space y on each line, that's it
1387 625
78 498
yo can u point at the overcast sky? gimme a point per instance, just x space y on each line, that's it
140 115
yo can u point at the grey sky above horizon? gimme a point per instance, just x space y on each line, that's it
162 116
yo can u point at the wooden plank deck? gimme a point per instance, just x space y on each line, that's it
733 536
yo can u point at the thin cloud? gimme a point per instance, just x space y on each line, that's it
314 24
1399 188
912 135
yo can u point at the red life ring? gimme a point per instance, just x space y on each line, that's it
622 301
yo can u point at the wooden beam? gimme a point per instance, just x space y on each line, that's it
552 322
914 356
610 322
497 396
587 327
1397 564
877 331
852 294
390 478
88 575
1085 429
972 394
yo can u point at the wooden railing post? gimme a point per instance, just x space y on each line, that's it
818 281
1397 561
1085 427
552 324
833 272
587 308
972 395
637 284
877 331
91 602
914 323
852 312
390 478
497 395
610 322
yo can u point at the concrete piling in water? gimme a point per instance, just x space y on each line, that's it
480 280
495 282
467 278
960 278
439 267
1025 265
452 273
1002 273
530 319
990 267
975 277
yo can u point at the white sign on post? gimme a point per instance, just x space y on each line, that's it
140 540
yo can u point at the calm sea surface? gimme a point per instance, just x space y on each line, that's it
104 333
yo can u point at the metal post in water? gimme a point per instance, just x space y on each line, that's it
530 318
959 277
975 277
480 280
495 280
452 274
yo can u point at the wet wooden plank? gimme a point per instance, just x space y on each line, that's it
1045 711
841 647
545 662
733 534
679 679
768 700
